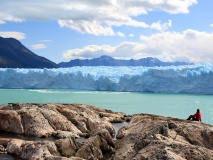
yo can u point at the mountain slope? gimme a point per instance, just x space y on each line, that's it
109 61
15 55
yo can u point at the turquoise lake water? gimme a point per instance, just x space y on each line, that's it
170 105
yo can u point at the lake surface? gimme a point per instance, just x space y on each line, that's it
171 105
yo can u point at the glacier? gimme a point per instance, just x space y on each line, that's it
194 79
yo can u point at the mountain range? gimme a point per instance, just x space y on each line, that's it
109 61
15 55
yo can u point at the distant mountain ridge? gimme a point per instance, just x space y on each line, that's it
15 55
109 61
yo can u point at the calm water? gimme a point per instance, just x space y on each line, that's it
171 105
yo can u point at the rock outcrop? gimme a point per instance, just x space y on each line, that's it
156 137
44 120
77 132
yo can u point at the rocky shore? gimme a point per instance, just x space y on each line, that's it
78 132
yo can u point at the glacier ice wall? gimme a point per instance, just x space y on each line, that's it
182 79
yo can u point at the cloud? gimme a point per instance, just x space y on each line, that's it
131 35
94 28
16 35
90 51
92 16
161 27
123 50
39 46
211 25
189 45
174 6
120 34
2 22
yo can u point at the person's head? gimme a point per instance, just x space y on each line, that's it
198 110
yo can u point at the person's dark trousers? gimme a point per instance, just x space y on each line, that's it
190 118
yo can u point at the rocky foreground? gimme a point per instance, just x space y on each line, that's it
78 132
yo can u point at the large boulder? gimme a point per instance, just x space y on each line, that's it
72 128
31 150
43 120
99 146
156 137
10 121
67 146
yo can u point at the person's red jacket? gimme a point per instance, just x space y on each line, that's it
197 115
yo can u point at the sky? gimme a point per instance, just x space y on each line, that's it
63 30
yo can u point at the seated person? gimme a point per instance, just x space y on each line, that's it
196 116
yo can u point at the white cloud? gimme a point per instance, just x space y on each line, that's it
91 16
90 51
39 46
131 35
174 6
120 34
211 25
2 22
16 35
189 45
123 50
161 27
87 27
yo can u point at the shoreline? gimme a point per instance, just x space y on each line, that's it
182 105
